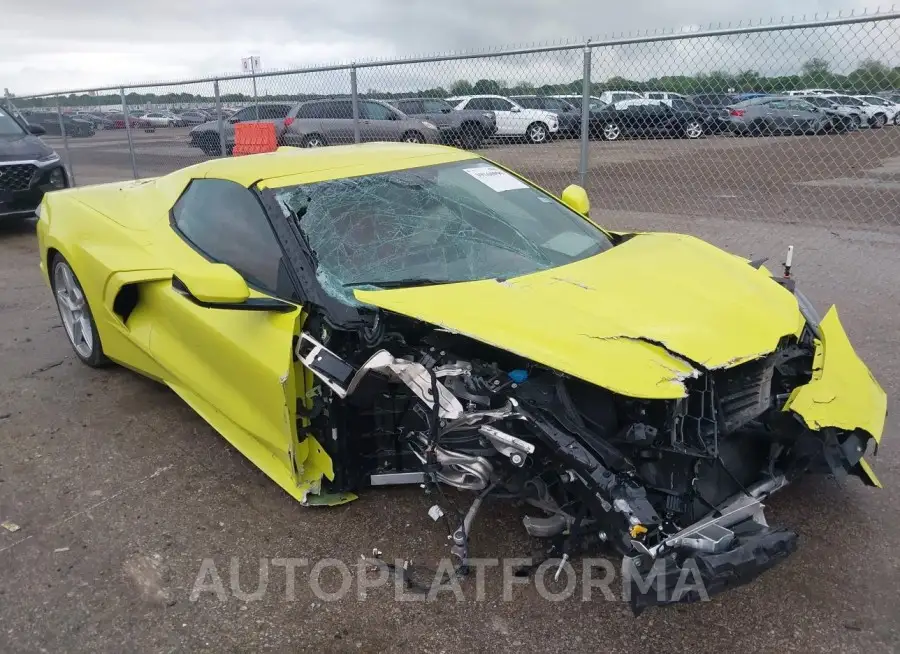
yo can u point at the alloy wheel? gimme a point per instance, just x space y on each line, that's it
73 310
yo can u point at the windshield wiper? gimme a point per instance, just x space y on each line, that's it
403 283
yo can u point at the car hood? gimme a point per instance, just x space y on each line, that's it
638 319
23 148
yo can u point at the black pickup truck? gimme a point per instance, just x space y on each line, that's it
468 128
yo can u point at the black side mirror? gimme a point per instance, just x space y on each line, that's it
37 130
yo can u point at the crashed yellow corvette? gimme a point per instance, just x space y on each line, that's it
396 313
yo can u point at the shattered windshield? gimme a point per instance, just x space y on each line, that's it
454 222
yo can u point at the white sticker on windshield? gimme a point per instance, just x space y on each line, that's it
497 179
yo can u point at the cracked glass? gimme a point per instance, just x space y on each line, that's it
456 222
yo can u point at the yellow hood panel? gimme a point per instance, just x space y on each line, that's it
632 319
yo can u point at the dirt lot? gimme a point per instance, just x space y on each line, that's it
121 492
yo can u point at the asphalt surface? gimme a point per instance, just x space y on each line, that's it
120 492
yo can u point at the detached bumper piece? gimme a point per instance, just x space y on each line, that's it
682 579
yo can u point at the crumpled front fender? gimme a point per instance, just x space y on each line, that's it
843 394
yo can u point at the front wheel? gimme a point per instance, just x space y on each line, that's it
413 137
879 121
75 313
537 133
471 137
693 130
611 132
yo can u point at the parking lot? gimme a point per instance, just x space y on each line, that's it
121 492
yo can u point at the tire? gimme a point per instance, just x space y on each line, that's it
611 132
856 120
313 141
413 137
537 133
693 129
75 314
471 136
171 123
879 121
897 118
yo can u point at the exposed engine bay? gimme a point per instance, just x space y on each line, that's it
657 480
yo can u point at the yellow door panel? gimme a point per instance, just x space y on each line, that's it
235 368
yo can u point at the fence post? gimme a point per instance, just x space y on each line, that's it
354 97
255 96
65 138
585 114
128 133
220 123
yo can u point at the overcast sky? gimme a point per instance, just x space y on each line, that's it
56 44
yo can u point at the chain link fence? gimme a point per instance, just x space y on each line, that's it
793 123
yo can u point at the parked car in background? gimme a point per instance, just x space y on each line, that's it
317 123
813 92
777 115
28 167
609 97
467 127
513 120
593 101
206 135
161 119
194 117
50 122
568 115
890 109
650 118
844 118
873 116
97 120
662 95
716 106
118 121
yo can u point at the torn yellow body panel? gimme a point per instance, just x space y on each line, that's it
843 393
638 319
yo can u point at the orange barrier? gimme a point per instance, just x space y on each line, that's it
253 138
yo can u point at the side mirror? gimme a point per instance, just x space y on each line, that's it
233 120
219 286
515 110
37 130
576 198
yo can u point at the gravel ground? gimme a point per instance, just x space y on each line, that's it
121 492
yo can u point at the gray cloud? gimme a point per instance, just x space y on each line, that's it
58 45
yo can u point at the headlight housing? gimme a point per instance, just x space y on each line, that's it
50 158
57 178
429 125
809 312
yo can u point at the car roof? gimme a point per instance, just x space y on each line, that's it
290 166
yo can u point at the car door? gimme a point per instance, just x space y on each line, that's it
234 367
337 121
803 116
775 114
510 121
634 120
378 122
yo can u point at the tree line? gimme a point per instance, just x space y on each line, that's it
870 76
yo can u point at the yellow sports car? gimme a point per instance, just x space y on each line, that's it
383 314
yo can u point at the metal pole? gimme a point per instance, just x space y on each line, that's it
585 114
62 130
255 97
354 97
220 122
128 133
